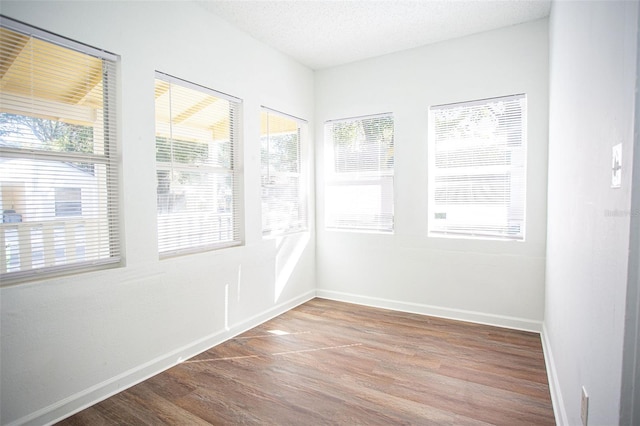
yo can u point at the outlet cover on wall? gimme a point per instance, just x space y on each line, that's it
584 407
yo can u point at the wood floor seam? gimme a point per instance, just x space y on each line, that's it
334 363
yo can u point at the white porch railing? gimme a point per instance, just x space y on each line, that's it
30 245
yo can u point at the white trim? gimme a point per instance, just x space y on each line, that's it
101 391
630 388
292 117
359 117
552 377
195 86
479 101
436 311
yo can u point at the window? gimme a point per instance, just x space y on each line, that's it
284 199
477 169
359 178
58 162
68 202
198 181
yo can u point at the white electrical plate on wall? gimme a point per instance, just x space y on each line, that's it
616 166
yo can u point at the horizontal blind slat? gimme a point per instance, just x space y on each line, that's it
284 205
359 192
198 188
59 174
478 167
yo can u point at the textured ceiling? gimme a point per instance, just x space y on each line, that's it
321 34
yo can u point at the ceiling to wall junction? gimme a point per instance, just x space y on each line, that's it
322 33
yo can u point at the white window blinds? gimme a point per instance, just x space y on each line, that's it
198 182
58 162
284 198
359 178
477 169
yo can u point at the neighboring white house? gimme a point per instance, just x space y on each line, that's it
56 206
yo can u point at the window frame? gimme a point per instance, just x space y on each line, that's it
109 254
301 223
359 178
233 171
65 205
514 176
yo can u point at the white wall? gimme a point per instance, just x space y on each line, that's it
66 342
69 341
495 282
630 398
592 84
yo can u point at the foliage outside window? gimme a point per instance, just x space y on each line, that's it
197 180
477 169
359 191
283 195
58 169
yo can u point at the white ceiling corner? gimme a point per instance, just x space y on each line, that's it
326 33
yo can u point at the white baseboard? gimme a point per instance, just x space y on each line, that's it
436 311
476 317
81 400
554 383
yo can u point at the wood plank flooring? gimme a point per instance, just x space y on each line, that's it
345 364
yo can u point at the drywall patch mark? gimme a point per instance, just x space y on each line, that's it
616 166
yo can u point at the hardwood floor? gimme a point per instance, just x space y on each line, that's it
346 364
